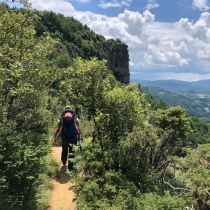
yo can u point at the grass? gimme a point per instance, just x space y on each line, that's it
45 186
43 192
52 167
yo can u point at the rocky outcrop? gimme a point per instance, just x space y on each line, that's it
116 53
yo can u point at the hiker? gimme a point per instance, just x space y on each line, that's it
68 127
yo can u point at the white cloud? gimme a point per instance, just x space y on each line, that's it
126 2
203 51
202 5
170 75
135 21
83 1
152 4
127 26
159 55
105 5
178 47
199 30
114 3
57 6
198 35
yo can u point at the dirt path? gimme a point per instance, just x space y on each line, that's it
61 196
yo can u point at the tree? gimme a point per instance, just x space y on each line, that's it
85 82
189 177
24 79
130 150
147 151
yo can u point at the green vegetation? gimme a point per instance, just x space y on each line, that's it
24 114
194 107
72 39
138 153
135 153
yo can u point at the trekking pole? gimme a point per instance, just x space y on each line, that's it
79 142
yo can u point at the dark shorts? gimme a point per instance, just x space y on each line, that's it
66 140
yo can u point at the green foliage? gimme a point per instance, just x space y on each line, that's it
200 134
51 166
85 83
189 176
42 195
173 119
155 104
167 201
148 150
73 40
137 153
21 163
25 75
126 147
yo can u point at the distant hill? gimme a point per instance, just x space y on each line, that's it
194 97
203 83
199 107
198 89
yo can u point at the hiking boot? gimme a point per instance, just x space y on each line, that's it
64 163
70 165
70 169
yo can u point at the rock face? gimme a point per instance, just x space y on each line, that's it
118 60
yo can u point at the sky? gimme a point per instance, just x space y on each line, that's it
167 39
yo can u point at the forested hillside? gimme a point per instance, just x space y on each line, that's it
197 89
198 107
76 40
138 153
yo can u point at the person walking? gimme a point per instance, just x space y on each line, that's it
69 129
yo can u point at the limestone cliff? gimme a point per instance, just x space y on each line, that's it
118 59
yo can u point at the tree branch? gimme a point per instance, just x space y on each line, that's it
175 188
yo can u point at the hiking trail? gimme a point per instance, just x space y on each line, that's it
61 195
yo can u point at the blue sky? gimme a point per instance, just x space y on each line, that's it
164 10
167 39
